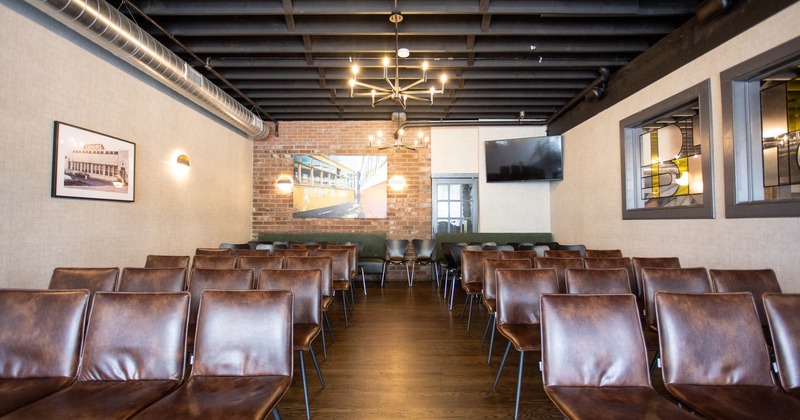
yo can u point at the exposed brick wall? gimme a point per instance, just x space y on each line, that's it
409 211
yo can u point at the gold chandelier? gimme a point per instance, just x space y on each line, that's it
382 143
394 91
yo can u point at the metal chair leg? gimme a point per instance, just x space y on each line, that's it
305 385
469 318
328 321
519 383
491 341
324 349
383 273
408 275
344 301
502 364
486 329
452 291
363 281
275 414
411 279
316 365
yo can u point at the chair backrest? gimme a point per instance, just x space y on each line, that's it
603 253
424 249
490 266
472 265
341 262
211 278
91 279
214 261
286 252
783 314
560 264
615 262
321 263
306 286
213 251
562 253
256 263
517 255
598 281
656 262
396 248
505 248
135 279
167 261
579 351
243 351
756 282
135 336
539 249
518 293
711 339
41 333
580 248
252 252
234 247
680 280
310 247
353 263
266 247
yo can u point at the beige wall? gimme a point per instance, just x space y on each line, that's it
586 206
44 78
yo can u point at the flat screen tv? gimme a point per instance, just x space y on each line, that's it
525 159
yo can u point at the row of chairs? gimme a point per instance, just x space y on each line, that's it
126 356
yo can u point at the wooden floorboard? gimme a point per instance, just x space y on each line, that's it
405 355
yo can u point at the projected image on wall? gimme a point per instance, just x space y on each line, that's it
349 187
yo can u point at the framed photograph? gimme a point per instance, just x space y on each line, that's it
87 164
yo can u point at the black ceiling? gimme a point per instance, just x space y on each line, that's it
290 60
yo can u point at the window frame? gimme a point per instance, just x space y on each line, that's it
631 157
741 128
464 178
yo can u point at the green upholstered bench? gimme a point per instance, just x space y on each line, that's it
370 258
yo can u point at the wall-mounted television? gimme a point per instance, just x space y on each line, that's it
525 159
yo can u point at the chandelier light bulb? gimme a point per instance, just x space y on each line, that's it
352 82
355 69
444 79
424 66
385 61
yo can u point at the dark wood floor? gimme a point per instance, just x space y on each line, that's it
405 355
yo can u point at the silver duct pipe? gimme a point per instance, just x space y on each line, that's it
108 28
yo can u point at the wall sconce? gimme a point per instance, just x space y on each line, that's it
183 160
284 183
397 183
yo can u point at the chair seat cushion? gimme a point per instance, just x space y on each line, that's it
98 400
490 305
630 402
341 284
474 288
746 401
326 302
17 392
371 265
304 335
524 337
209 397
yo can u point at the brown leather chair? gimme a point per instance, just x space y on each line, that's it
340 273
212 278
560 264
472 277
167 261
490 292
252 252
307 319
257 263
325 266
310 247
133 356
518 293
590 373
755 282
617 262
718 366
91 279
134 279
353 248
295 252
219 262
236 373
656 262
35 365
783 315
603 253
516 255
213 251
562 253
597 281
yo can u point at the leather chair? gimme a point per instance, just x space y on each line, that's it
396 252
517 255
597 281
167 261
423 255
656 262
560 264
237 373
219 262
307 319
133 355
783 314
472 277
340 272
211 278
135 279
603 253
617 262
35 365
562 253
286 252
252 252
310 247
755 282
490 292
353 248
213 251
270 248
589 372
325 266
719 367
256 263
518 293
91 279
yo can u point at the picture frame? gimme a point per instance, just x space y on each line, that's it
92 165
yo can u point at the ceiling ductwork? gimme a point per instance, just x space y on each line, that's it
107 27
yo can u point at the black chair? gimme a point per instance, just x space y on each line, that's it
396 250
424 255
